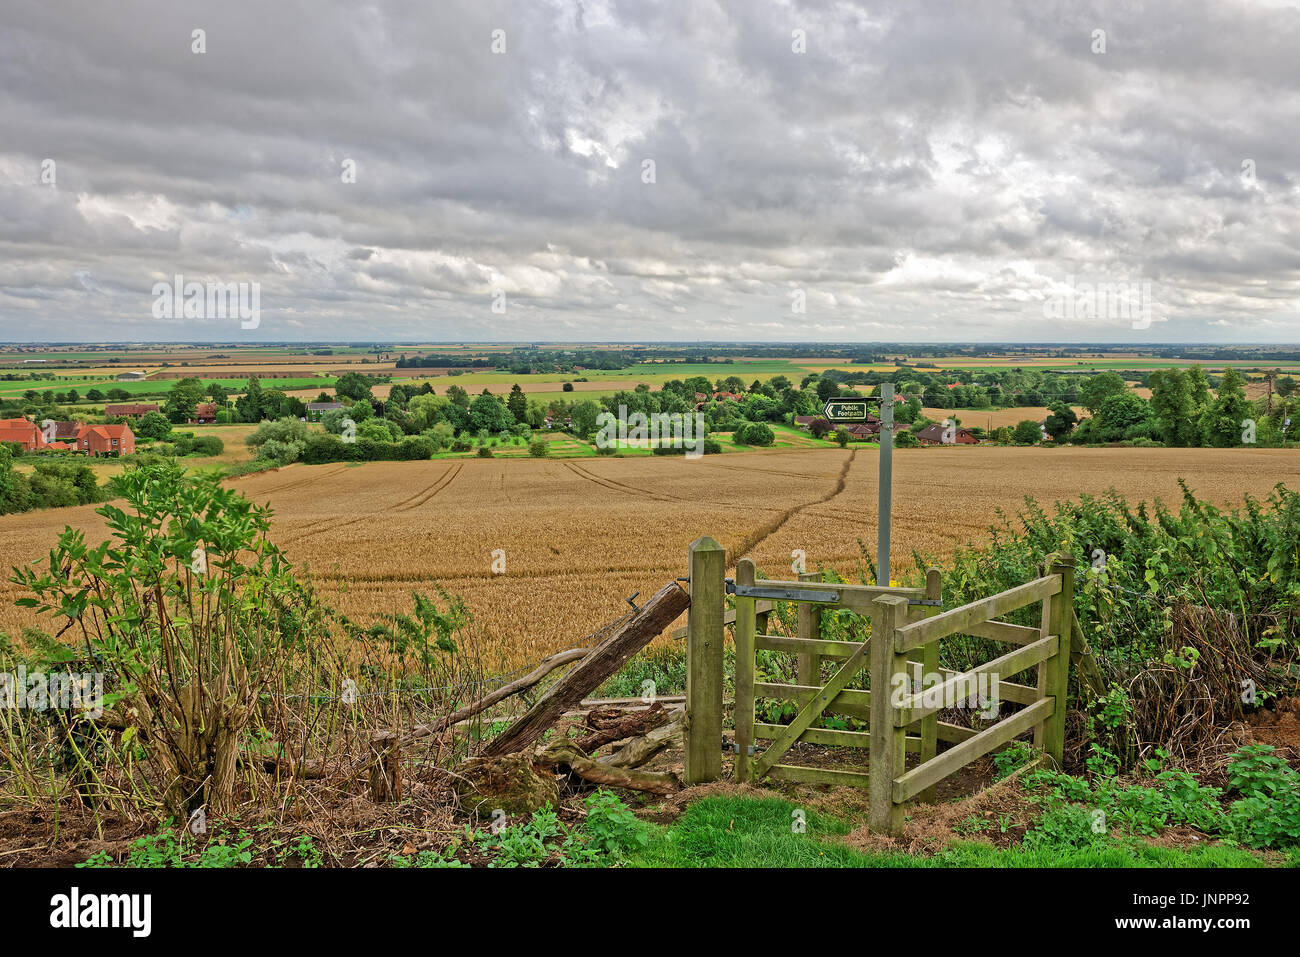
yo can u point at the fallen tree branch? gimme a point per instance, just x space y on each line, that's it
544 668
566 756
628 636
610 725
640 750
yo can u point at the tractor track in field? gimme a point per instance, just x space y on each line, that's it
419 498
300 480
618 486
767 530
406 505
320 524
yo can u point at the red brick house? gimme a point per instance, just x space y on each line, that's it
863 431
205 413
106 440
133 411
23 431
934 435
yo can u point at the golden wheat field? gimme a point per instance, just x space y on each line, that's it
580 536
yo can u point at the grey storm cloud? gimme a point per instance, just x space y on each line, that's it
918 170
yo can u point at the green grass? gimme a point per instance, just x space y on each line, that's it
758 832
154 387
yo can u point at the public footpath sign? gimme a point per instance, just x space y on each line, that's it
845 410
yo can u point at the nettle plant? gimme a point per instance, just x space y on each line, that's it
193 609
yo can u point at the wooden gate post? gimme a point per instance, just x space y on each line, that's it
744 636
1054 673
704 638
810 626
930 666
888 743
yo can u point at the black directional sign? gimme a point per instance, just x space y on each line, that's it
845 410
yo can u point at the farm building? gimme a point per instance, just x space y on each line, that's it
804 421
131 376
317 409
105 440
130 410
934 435
23 431
205 413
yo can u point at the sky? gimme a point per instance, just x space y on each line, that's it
984 170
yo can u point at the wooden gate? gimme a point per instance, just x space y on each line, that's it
1043 708
908 688
814 698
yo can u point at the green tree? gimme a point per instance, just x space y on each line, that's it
1223 421
458 396
1099 388
378 430
1026 432
153 425
426 410
184 397
1061 422
517 403
1198 390
584 415
488 412
754 433
1124 415
1171 404
280 441
352 385
249 405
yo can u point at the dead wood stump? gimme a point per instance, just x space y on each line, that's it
508 782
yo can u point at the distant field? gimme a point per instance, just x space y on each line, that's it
582 535
152 386
995 418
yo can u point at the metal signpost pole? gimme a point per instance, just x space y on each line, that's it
886 481
848 409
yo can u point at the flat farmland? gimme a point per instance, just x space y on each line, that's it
580 536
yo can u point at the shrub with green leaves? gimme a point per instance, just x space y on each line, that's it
1268 814
193 609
